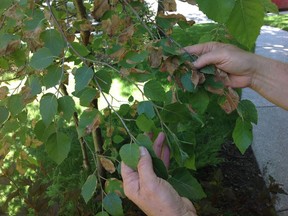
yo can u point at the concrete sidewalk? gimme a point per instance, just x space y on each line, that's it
270 143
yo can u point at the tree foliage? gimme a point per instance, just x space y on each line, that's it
59 152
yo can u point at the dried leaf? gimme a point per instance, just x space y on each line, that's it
170 65
126 34
107 165
231 102
10 48
100 7
218 91
3 92
112 26
170 5
197 78
155 56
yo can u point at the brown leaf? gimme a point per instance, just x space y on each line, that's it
112 26
218 91
170 65
107 165
231 102
100 7
3 92
155 56
126 34
197 78
10 47
170 5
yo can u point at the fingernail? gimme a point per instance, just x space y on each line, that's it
143 151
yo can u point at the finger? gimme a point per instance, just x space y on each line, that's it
208 58
165 157
145 167
130 181
201 49
158 144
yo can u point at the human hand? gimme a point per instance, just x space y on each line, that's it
238 64
153 195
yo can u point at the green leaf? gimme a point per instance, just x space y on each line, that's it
80 49
35 85
245 21
147 108
104 80
113 204
174 113
5 5
270 6
83 76
159 168
242 135
145 141
118 139
136 58
4 114
66 105
58 147
102 214
114 186
209 69
41 59
217 10
199 101
53 77
187 82
42 132
89 188
186 185
19 56
86 119
35 19
130 155
154 91
87 95
53 41
247 111
15 104
144 124
48 108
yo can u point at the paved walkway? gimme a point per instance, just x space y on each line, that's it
270 144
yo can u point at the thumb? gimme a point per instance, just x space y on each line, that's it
145 166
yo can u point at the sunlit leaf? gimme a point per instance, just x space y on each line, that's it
41 59
246 20
113 205
89 187
58 146
48 108
221 10
130 155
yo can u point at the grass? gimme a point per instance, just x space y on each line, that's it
279 21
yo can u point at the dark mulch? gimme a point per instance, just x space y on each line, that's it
236 187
